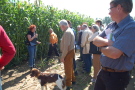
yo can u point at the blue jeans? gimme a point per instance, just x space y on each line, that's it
32 55
112 80
87 62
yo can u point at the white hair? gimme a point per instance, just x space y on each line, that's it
63 22
78 26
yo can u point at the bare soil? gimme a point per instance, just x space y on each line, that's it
18 78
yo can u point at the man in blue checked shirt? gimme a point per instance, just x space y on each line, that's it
117 44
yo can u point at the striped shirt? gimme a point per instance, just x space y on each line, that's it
124 40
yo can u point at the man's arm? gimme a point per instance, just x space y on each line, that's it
83 41
8 50
111 52
101 42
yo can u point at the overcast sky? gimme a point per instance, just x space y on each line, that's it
92 8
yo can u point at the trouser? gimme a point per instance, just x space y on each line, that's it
96 64
68 66
112 80
74 63
53 48
87 62
32 55
81 49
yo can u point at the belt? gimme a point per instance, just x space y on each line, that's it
112 70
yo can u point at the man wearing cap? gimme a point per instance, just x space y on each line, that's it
68 52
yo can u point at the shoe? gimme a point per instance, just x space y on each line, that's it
31 68
93 80
73 83
68 88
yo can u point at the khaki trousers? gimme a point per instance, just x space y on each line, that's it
68 66
96 64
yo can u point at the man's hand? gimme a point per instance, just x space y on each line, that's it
101 42
62 60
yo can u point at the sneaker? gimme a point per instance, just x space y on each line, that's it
93 80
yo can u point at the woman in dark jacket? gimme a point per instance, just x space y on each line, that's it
31 45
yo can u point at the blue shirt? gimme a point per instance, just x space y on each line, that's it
124 35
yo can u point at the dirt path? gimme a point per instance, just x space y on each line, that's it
18 78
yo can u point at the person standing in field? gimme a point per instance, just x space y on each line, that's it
77 37
79 42
117 44
8 51
74 62
100 24
68 52
31 45
85 44
95 52
53 44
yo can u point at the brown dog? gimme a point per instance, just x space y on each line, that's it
45 78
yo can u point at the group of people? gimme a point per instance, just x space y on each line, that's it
111 50
89 53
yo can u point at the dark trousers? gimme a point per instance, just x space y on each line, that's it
81 49
112 80
87 62
51 49
74 63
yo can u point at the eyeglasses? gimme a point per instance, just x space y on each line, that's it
111 8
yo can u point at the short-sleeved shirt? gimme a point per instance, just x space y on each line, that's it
32 34
124 40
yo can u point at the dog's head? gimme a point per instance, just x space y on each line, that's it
35 72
